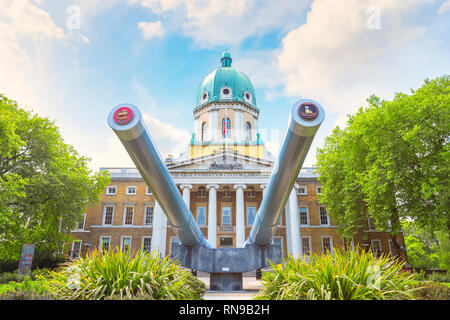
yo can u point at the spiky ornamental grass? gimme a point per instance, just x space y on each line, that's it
343 275
118 274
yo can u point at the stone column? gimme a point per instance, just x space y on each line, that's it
294 223
159 230
212 214
186 194
240 215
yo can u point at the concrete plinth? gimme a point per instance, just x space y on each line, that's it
226 281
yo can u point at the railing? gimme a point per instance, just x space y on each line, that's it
307 172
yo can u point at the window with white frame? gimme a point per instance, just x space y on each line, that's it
81 224
125 243
376 247
306 246
251 214
76 249
147 244
323 216
131 190
108 213
226 216
302 190
318 189
148 192
371 223
201 215
303 216
327 244
148 216
105 244
391 247
111 190
128 215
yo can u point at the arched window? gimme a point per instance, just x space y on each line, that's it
248 131
204 131
226 128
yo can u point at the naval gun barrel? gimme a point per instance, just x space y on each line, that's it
305 119
127 122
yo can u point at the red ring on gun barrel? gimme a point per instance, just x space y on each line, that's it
123 115
308 111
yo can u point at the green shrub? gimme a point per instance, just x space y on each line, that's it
433 291
26 290
440 277
343 275
118 275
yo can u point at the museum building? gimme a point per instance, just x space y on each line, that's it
222 177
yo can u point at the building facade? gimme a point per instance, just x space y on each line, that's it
221 177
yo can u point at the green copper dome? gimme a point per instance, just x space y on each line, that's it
226 84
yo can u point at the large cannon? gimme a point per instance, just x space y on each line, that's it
225 265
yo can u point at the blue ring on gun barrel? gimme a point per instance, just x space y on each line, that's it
308 111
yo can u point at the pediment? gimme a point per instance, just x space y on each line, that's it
222 162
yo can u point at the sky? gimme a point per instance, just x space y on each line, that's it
74 60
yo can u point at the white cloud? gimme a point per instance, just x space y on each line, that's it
151 29
167 138
336 59
444 8
226 22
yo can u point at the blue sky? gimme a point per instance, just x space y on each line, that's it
72 61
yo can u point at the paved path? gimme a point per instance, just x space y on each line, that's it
250 284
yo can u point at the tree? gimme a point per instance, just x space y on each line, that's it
45 185
391 163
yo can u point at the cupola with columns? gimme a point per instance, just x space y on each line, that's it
226 115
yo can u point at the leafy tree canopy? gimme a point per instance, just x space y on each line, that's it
391 162
45 185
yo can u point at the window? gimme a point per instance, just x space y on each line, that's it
278 241
302 190
248 131
201 192
327 244
318 190
201 216
226 242
128 217
174 241
226 128
251 192
226 215
148 192
148 216
125 244
371 223
76 249
105 244
108 214
323 216
204 132
303 215
131 190
391 247
251 214
306 246
111 190
376 247
80 225
348 243
147 244
226 192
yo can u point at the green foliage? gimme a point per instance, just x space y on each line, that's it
440 277
343 275
45 185
391 162
27 289
433 291
118 275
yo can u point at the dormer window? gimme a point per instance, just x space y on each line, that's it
226 93
204 97
248 97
